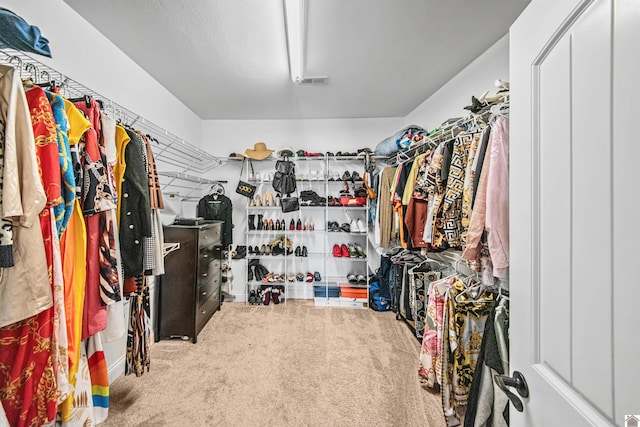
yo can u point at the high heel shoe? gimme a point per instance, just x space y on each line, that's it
271 225
292 225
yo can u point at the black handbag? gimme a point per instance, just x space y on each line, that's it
244 188
290 204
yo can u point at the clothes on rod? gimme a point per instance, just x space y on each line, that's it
76 187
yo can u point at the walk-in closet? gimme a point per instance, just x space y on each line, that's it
318 212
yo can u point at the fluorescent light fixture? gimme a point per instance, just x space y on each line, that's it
295 17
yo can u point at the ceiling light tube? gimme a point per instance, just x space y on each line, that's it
295 15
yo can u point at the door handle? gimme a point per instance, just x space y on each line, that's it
518 382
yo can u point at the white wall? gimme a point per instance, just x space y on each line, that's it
222 137
82 53
478 77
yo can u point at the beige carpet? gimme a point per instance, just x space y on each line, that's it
284 365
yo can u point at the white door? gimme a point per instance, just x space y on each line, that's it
575 196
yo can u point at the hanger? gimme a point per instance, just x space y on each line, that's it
216 189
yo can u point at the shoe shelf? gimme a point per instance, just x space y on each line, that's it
322 273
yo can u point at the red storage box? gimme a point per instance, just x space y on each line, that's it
353 201
347 291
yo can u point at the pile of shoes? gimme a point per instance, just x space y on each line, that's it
256 271
271 294
349 250
281 245
266 199
311 198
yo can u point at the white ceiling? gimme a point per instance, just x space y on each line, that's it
227 59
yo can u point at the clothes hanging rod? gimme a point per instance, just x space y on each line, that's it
171 149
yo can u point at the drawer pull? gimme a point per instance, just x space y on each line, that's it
203 312
203 293
204 274
205 237
205 256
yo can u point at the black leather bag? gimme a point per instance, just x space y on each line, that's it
290 204
244 188
284 179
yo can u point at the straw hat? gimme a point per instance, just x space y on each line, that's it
259 151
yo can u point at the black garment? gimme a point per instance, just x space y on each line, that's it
447 154
480 155
218 207
135 211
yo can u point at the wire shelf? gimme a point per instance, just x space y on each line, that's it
170 148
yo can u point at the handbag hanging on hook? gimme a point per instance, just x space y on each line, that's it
244 188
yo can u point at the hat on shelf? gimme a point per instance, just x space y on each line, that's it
259 151
286 151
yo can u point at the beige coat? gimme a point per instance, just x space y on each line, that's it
24 288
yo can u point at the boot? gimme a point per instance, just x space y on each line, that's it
250 273
252 224
260 224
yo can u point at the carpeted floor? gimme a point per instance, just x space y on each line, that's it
284 365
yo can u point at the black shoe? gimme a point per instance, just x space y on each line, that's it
260 223
256 250
298 251
241 252
346 176
355 176
292 224
250 273
298 224
304 252
252 222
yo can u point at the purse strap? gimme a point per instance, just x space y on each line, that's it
250 164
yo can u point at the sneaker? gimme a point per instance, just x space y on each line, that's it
359 250
316 276
353 226
299 277
309 278
337 252
355 176
353 253
361 227
346 176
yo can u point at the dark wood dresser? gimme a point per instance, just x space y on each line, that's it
190 288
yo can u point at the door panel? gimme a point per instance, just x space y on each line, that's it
555 208
591 211
626 230
564 213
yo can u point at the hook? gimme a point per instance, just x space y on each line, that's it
19 62
32 70
45 73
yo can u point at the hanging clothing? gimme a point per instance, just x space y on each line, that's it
497 211
488 405
218 207
464 321
24 289
135 219
137 356
475 232
63 211
385 207
430 362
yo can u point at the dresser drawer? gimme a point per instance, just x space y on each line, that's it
210 235
207 270
206 310
205 290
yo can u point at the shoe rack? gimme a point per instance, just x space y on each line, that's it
319 252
